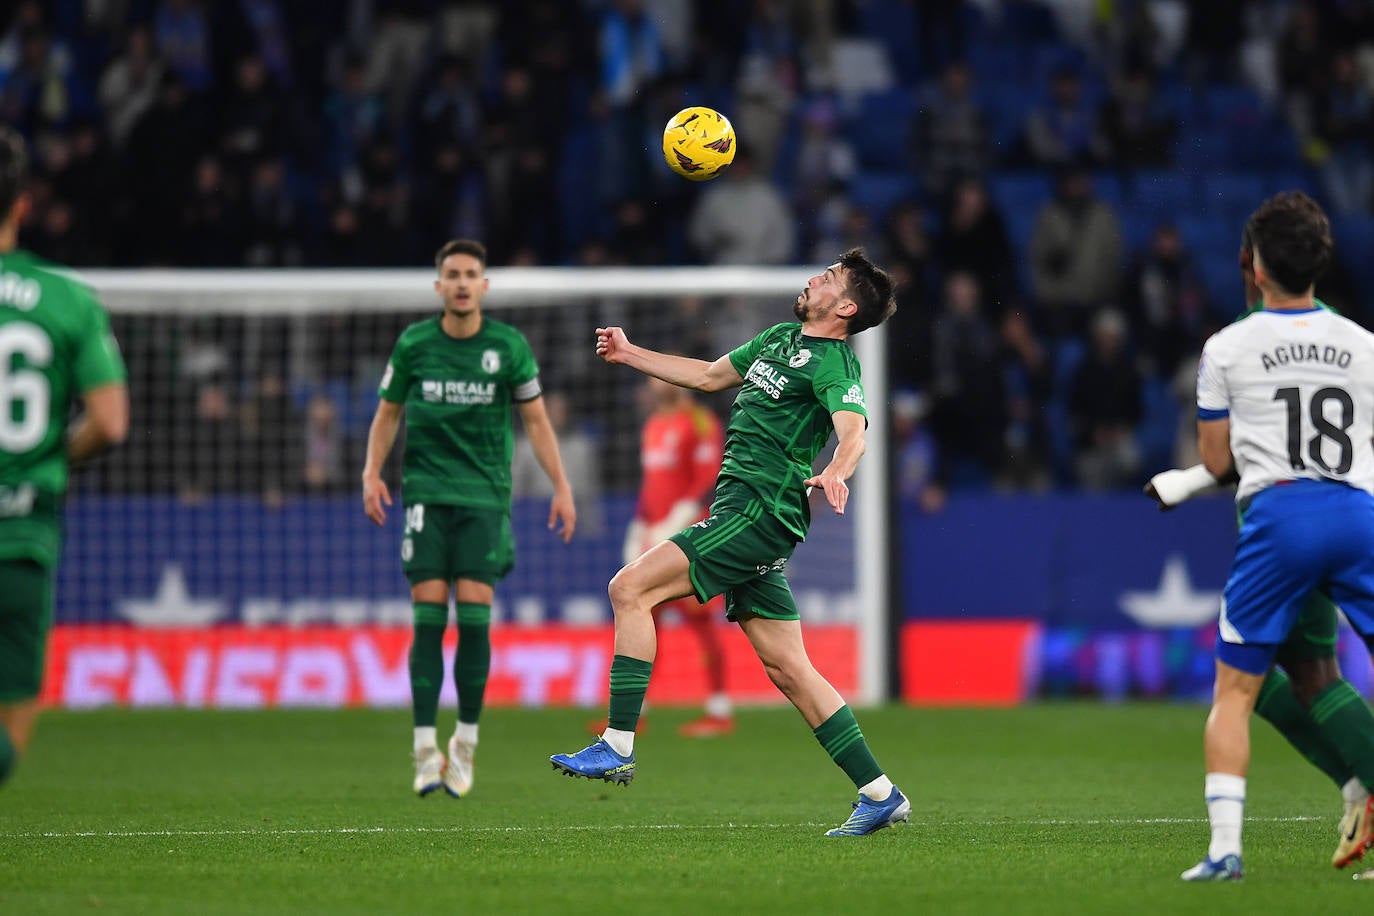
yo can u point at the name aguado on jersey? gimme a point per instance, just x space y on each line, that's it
1298 389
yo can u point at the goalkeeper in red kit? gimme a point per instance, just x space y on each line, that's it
680 455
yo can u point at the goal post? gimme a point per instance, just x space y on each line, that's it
253 545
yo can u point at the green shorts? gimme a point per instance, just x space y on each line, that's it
1314 635
741 550
456 542
26 591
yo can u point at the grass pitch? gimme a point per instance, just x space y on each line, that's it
1047 809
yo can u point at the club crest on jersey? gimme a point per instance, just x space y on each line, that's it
800 358
491 362
432 391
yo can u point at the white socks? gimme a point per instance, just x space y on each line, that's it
623 743
718 706
425 738
466 732
1225 796
878 790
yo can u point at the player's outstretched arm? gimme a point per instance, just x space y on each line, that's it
544 443
380 437
103 424
1174 487
614 347
849 427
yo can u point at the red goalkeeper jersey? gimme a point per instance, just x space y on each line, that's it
680 456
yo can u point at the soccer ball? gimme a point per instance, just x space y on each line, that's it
698 143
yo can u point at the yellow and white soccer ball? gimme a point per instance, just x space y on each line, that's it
699 143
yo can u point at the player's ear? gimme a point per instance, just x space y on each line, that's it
486 285
846 308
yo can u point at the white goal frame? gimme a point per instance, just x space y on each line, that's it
259 293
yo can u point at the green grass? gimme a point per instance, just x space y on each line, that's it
1046 809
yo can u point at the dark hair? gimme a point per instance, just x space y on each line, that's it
1292 236
871 289
14 169
461 246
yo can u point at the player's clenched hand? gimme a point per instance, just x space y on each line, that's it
611 344
836 490
375 495
561 508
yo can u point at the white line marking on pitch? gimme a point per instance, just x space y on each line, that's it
576 828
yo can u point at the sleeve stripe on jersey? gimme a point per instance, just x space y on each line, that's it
1208 413
528 391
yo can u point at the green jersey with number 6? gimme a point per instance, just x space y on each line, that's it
458 394
55 344
782 415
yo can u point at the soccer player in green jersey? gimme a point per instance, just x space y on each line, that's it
799 382
55 348
455 377
1305 698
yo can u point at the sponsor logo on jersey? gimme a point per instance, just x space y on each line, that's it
767 377
491 362
777 565
800 358
855 395
458 392
19 291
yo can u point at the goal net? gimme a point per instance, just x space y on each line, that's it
222 558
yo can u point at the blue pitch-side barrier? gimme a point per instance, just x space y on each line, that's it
159 561
1128 596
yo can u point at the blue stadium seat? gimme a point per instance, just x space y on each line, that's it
879 192
1233 194
1158 424
881 129
1201 148
1020 192
1354 236
893 23
1161 193
1205 229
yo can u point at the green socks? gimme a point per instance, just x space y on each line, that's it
1347 725
7 756
427 662
629 683
842 740
473 661
1278 705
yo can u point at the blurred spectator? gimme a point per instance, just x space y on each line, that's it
1343 118
742 219
1214 36
182 33
974 240
1167 302
162 149
1075 254
449 199
916 456
1134 130
353 115
129 85
631 51
211 217
449 111
325 449
252 125
825 157
951 130
36 89
909 329
273 231
397 41
969 399
270 431
636 239
1105 404
209 442
1063 131
764 98
1302 57
1029 379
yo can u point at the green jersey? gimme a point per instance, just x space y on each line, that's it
55 344
457 395
781 417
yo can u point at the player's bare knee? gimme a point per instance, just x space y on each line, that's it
626 590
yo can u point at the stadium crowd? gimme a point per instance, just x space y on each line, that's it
1059 185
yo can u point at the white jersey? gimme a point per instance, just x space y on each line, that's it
1298 388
